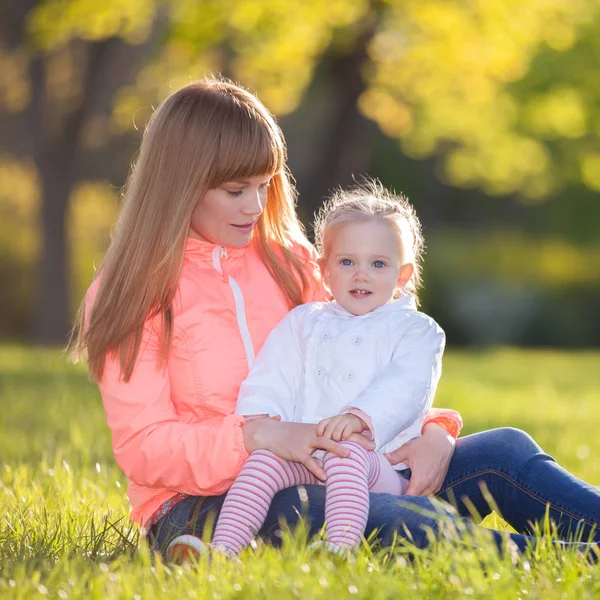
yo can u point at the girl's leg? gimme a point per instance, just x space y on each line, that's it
347 492
524 483
247 502
389 480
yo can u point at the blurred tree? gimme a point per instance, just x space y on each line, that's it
506 93
59 88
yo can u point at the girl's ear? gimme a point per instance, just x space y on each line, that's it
406 272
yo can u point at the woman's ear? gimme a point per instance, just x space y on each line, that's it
406 272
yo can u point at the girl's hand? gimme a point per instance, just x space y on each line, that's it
295 442
341 427
428 457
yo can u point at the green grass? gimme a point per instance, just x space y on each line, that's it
64 531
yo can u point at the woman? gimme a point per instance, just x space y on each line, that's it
208 256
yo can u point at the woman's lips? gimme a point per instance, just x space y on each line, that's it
247 228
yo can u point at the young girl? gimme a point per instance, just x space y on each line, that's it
368 361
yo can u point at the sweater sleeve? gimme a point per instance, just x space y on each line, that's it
404 392
152 445
273 384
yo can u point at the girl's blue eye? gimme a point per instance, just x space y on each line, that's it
378 264
235 194
346 262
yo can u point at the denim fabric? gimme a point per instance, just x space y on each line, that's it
505 464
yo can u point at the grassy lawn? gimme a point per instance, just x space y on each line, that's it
64 531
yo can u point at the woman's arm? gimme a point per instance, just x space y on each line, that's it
428 458
152 445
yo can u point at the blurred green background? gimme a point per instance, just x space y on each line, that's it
486 113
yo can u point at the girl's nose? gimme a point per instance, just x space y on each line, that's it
360 275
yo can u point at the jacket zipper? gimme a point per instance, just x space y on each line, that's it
240 306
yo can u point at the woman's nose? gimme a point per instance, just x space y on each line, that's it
254 204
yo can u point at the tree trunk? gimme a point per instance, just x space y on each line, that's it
59 154
52 312
346 151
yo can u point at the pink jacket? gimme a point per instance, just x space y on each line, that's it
173 429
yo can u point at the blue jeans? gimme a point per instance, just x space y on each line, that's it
524 482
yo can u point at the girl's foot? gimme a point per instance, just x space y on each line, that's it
185 547
329 547
220 550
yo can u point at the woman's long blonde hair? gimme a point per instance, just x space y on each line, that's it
203 135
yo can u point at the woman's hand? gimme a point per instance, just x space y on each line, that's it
428 457
295 442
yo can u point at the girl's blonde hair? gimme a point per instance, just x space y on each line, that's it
203 135
371 200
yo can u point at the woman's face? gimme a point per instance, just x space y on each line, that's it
227 215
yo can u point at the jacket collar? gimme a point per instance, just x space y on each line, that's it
406 303
202 251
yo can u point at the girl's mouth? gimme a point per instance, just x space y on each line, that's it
360 294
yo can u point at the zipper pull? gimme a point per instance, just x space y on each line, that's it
223 263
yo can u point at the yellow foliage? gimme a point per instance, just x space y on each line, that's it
590 170
271 49
560 113
14 85
92 211
450 63
513 258
446 77
19 208
55 22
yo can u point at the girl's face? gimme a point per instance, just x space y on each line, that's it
363 266
227 215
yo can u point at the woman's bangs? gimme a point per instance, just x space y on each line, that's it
246 150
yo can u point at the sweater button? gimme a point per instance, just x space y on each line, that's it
356 340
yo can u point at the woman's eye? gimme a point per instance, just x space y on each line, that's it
378 264
346 262
235 193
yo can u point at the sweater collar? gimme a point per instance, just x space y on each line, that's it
406 303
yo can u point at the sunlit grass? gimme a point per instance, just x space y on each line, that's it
64 530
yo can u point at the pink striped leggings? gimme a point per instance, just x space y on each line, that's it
349 481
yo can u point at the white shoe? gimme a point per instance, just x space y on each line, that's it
329 547
184 547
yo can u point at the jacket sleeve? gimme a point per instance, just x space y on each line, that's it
447 418
404 391
152 445
273 384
